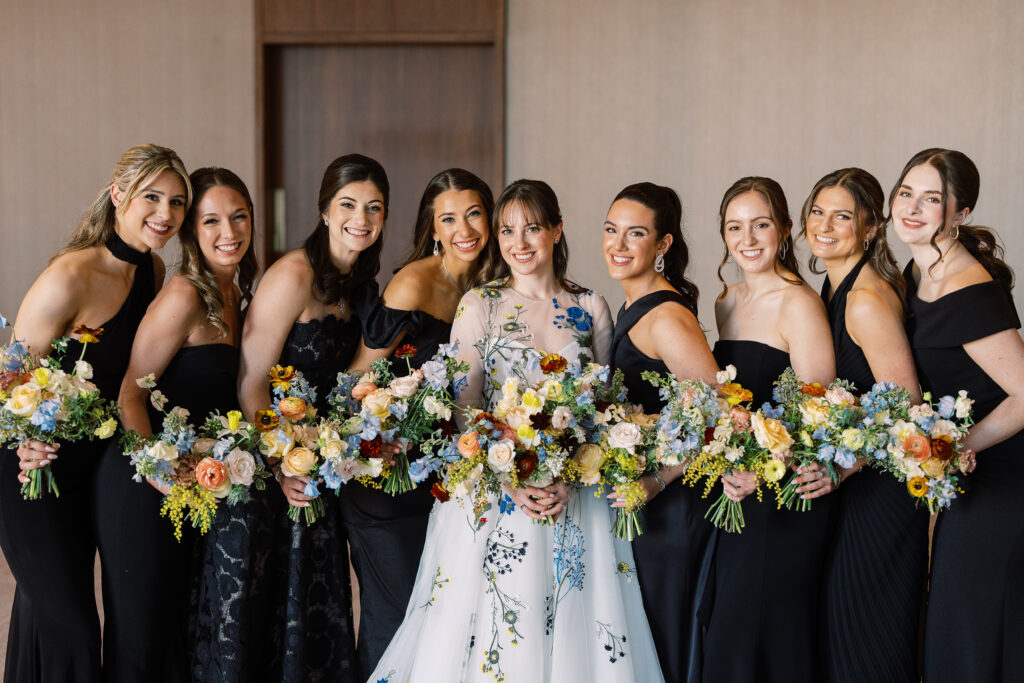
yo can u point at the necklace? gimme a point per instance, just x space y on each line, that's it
451 277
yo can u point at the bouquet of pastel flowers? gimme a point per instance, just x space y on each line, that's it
41 402
921 445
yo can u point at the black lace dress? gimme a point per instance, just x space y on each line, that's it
668 553
877 563
975 623
760 608
386 533
50 544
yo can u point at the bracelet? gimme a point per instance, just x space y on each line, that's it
659 480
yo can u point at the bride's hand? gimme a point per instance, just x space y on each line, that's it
540 503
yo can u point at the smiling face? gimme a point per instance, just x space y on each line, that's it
832 231
355 216
154 214
630 242
751 234
526 244
917 211
223 227
460 224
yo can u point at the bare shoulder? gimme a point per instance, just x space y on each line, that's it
671 319
178 293
726 302
974 274
875 302
68 277
410 287
291 271
801 300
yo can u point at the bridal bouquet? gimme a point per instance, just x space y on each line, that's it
921 445
41 402
232 462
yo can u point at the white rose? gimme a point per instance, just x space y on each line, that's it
83 369
517 417
561 417
501 455
404 387
727 375
624 435
963 404
438 408
162 450
334 447
466 486
241 466
377 402
371 468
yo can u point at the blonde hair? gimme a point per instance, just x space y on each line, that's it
136 168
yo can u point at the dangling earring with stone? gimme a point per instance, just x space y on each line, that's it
437 247
783 251
659 263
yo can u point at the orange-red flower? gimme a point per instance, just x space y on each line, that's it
212 474
918 447
370 449
942 449
552 363
405 351
814 389
440 492
88 335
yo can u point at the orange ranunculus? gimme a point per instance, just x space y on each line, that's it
292 408
213 476
942 449
917 446
468 445
552 363
735 393
813 389
362 390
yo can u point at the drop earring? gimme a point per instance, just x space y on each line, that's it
659 263
783 251
437 247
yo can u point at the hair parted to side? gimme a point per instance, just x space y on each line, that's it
135 170
668 220
772 193
451 179
962 182
194 266
538 201
868 212
329 285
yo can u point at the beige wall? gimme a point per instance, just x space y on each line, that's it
697 94
82 80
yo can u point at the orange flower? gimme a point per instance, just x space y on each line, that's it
918 486
735 393
292 407
405 351
942 449
281 376
213 476
266 420
440 492
552 363
88 335
814 389
468 445
917 446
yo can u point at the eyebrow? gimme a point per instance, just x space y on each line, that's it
816 206
452 213
352 199
904 186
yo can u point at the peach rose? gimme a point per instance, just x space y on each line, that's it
298 462
590 457
213 476
404 387
377 402
203 446
292 408
24 399
501 455
770 434
362 389
468 445
740 417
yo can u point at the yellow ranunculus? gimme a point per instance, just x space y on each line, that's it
107 429
234 418
590 458
770 434
774 470
24 399
298 462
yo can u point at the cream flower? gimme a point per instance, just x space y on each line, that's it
726 375
404 387
590 458
814 411
770 434
501 455
962 405
298 462
83 369
162 450
377 402
241 466
624 435
24 399
561 417
840 396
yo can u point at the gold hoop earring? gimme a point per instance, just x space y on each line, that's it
955 233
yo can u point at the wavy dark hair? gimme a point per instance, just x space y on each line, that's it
868 212
960 178
772 193
329 285
194 266
539 202
457 179
668 220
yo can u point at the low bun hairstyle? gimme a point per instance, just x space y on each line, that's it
329 285
772 193
668 220
961 180
868 212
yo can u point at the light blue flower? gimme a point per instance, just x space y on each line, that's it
399 410
827 453
388 435
311 489
844 458
947 404
419 470
820 433
449 350
332 479
45 416
222 448
690 443
371 427
435 375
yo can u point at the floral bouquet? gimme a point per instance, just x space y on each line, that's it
233 462
827 425
41 402
921 445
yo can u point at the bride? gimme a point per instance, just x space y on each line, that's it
510 599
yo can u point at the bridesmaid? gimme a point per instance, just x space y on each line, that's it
386 533
878 557
105 277
962 330
761 612
306 314
189 339
657 329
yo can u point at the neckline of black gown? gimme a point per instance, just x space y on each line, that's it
751 341
908 276
844 287
628 317
123 252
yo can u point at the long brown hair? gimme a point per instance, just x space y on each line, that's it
329 285
194 266
452 179
960 178
137 167
868 212
772 193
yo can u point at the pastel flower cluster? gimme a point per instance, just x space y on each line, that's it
41 402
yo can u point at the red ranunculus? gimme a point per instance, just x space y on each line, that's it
405 351
440 492
370 449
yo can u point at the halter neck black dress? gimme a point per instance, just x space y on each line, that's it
760 608
50 544
975 622
669 552
878 557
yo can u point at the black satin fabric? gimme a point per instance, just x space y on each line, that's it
50 544
760 606
975 620
877 564
669 552
386 533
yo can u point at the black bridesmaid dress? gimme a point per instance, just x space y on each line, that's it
877 564
974 629
760 606
386 533
50 544
669 552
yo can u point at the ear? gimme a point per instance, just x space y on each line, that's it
558 231
664 244
323 217
116 196
871 233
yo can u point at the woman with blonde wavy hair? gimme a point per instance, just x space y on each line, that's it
103 279
189 342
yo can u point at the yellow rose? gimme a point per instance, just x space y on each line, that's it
590 457
377 402
24 400
853 438
298 462
277 443
814 411
107 429
934 468
770 434
333 447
